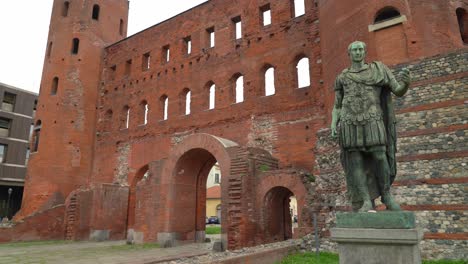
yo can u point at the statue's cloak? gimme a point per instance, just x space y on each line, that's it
377 75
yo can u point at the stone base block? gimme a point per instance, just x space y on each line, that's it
134 237
167 239
377 246
99 235
379 220
200 236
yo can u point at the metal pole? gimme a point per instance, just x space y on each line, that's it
10 191
317 244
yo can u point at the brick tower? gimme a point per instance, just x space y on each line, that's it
64 131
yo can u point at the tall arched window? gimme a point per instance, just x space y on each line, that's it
212 96
66 6
75 45
303 74
49 49
386 13
36 136
270 81
125 117
95 15
188 102
121 27
164 102
54 88
185 101
239 89
143 112
462 18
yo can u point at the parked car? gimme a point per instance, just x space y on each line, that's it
213 220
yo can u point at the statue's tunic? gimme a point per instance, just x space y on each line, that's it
362 119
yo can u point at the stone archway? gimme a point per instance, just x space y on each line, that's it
172 201
274 191
184 178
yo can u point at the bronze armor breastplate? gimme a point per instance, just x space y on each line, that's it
361 103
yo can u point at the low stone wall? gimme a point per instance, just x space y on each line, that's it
44 225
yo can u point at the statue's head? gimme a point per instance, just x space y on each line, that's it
357 51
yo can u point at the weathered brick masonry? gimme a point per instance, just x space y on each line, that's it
118 168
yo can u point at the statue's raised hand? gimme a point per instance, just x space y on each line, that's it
405 76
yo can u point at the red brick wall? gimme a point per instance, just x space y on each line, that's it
64 158
83 145
44 225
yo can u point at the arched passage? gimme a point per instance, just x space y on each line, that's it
274 193
141 174
277 214
185 174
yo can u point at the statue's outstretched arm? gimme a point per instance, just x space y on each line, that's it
400 88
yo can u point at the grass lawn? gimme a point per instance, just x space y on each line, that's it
213 230
331 258
311 258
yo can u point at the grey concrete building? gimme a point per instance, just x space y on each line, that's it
17 109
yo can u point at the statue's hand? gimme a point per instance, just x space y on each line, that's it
406 76
334 132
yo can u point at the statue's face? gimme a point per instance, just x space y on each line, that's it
357 53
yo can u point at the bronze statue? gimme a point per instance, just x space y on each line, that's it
367 134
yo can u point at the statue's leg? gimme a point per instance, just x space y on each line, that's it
359 177
383 180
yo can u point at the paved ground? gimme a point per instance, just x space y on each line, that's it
58 252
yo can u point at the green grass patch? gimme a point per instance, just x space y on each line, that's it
311 258
213 230
34 243
443 261
331 258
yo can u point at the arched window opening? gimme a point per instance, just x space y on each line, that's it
36 136
462 18
303 74
75 46
240 89
164 101
188 101
49 49
125 118
121 27
270 81
298 8
66 6
95 15
55 83
212 96
144 112
386 13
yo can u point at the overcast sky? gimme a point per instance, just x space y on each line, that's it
24 27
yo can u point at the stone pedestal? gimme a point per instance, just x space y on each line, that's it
364 239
